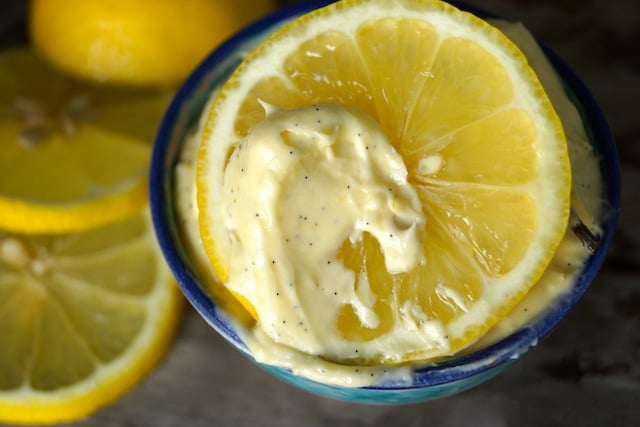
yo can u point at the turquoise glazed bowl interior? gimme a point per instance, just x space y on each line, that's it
429 381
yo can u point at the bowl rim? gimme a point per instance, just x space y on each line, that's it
164 158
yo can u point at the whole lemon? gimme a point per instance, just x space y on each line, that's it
139 42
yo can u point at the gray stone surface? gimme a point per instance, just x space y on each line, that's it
586 373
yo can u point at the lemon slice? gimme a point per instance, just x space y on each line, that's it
72 156
83 317
145 42
481 142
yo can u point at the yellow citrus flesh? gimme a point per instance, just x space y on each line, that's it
482 144
145 42
72 155
83 317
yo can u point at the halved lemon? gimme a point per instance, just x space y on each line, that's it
146 42
481 142
83 318
72 155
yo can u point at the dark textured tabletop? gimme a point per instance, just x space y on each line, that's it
586 373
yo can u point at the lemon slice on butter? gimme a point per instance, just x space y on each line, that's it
481 142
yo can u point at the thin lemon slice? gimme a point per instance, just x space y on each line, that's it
83 317
481 142
72 156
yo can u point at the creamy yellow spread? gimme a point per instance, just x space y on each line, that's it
335 166
301 184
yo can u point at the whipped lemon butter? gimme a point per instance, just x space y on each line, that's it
343 178
296 188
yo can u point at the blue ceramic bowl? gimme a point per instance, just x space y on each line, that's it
428 382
